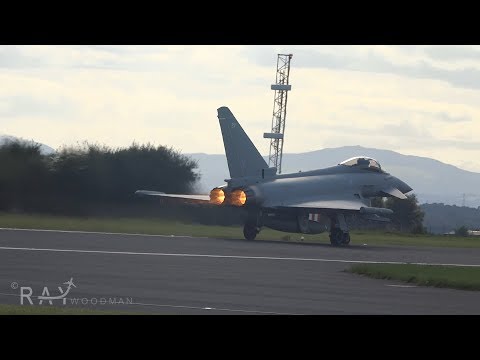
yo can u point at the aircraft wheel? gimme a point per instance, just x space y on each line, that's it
250 232
339 238
336 237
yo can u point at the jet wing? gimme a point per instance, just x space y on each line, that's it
322 203
205 198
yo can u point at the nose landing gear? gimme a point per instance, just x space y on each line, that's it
339 235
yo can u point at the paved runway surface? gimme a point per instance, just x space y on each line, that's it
184 275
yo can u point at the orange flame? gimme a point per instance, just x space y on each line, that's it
238 198
217 196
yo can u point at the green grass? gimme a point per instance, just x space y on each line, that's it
464 277
53 310
163 227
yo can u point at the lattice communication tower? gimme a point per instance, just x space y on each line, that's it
281 87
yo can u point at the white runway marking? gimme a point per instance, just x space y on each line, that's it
168 306
101 233
228 256
216 309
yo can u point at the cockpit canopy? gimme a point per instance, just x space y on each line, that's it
363 162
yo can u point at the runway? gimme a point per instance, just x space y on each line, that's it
187 275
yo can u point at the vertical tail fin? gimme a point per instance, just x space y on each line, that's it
242 156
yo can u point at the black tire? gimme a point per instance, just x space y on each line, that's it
339 238
336 237
249 232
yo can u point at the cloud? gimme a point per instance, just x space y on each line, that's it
453 53
388 60
415 61
456 144
404 129
29 106
376 96
127 58
14 58
443 116
405 112
303 57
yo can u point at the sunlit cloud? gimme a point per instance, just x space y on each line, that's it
418 100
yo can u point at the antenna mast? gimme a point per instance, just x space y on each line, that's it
281 88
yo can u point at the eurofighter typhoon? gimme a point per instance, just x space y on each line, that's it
308 202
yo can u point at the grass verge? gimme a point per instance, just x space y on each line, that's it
463 278
54 310
164 227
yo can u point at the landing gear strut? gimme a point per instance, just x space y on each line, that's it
339 235
250 232
251 227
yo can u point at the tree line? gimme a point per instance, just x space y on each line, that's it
78 178
441 218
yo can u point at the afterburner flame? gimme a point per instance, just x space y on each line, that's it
238 198
217 196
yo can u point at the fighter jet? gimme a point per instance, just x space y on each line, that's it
308 202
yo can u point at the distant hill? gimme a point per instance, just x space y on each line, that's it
433 181
44 149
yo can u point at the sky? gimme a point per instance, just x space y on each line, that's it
416 100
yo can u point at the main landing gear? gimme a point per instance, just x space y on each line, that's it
251 227
339 235
250 232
